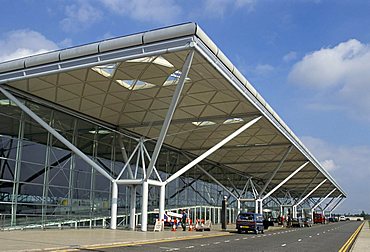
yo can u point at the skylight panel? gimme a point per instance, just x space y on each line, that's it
7 102
135 84
203 123
233 120
174 78
155 60
100 131
106 70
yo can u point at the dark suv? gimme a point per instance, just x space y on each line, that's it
249 222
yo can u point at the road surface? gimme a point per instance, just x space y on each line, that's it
330 237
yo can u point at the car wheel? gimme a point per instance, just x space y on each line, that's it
239 231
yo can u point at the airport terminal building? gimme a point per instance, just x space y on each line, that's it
143 124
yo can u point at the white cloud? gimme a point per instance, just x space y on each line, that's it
262 69
220 7
329 164
349 165
339 75
21 43
160 11
79 16
290 56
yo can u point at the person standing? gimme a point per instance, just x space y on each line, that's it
183 220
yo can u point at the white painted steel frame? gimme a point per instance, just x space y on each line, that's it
56 134
321 201
171 110
172 45
219 66
276 170
305 197
336 205
218 182
113 222
285 180
212 150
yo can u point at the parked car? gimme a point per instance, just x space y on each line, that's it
319 218
297 222
247 221
307 222
342 218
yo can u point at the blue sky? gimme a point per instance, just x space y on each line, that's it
310 59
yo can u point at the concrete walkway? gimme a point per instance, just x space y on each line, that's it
362 242
69 239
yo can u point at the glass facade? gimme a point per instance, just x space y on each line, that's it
42 182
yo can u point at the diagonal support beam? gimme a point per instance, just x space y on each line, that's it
337 204
212 150
321 201
285 180
329 203
170 112
308 186
127 163
311 192
276 170
56 134
125 157
217 182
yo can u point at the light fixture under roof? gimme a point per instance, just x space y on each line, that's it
233 120
203 123
174 78
7 102
135 84
106 70
154 59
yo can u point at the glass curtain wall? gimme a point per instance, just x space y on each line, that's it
41 181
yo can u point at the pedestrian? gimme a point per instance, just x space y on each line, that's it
183 220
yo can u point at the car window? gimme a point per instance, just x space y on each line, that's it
248 217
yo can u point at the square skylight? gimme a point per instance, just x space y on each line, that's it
135 84
233 120
203 123
106 70
154 59
174 78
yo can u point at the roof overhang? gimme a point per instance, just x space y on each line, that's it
134 96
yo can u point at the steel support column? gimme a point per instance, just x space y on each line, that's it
133 207
162 200
113 220
144 206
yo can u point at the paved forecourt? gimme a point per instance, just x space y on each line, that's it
87 238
